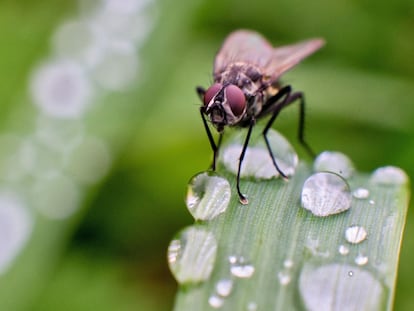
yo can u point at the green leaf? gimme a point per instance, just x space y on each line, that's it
272 254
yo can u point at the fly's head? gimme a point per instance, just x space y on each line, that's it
224 105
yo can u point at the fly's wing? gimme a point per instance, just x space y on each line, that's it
285 57
243 46
251 48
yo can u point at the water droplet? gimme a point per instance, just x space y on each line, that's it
55 196
89 162
59 134
118 68
79 40
361 193
355 234
389 175
288 263
215 301
232 259
15 227
241 269
372 202
284 278
191 256
252 306
343 250
335 162
333 286
361 260
208 196
325 194
313 246
224 287
257 162
61 89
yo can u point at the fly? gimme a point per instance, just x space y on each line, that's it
246 88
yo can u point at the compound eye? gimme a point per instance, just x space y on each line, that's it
211 92
235 99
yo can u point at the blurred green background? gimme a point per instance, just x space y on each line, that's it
112 254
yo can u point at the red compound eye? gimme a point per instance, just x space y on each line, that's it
236 100
211 92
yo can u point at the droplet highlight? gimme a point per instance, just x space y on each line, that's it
355 234
389 175
335 162
326 194
257 162
208 196
192 254
331 287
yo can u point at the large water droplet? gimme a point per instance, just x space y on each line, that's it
326 194
337 287
192 254
355 234
389 175
61 89
257 162
335 162
208 196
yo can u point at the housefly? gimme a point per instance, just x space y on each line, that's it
246 88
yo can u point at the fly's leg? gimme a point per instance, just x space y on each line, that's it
243 200
215 147
275 104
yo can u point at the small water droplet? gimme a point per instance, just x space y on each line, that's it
257 162
215 301
333 286
232 259
241 269
372 202
343 250
288 263
361 193
389 175
224 287
192 254
335 162
252 306
355 234
208 196
361 260
284 278
326 194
